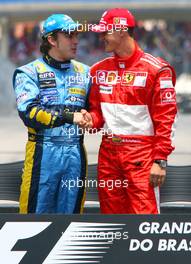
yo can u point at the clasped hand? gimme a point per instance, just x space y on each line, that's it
83 119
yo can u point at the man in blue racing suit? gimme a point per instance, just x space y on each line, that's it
50 93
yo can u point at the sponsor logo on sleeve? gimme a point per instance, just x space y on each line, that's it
168 95
22 98
166 83
167 92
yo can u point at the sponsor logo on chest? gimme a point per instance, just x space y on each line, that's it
106 89
46 75
134 78
47 80
76 99
128 78
49 95
107 77
79 91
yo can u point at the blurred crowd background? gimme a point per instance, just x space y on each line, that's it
169 40
163 29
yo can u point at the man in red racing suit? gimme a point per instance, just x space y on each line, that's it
133 98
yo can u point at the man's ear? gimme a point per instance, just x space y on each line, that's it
51 40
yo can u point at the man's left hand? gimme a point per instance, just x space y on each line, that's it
157 175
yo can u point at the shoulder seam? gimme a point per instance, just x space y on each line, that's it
153 60
150 62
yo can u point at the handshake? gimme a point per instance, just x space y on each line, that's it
83 119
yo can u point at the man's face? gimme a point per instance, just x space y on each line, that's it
111 40
65 46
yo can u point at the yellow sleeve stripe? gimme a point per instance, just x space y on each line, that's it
33 112
43 117
31 130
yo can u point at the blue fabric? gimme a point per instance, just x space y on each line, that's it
59 155
60 176
58 22
70 88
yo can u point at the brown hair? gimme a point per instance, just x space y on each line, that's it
45 45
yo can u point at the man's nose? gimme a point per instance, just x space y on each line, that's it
75 39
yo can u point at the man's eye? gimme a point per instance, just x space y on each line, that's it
73 35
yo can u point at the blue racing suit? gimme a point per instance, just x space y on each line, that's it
47 94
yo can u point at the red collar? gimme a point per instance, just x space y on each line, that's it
126 62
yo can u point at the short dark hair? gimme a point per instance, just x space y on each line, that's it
45 45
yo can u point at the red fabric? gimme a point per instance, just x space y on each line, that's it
123 179
117 17
142 100
162 113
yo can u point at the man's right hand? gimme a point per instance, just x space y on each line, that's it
83 119
79 119
88 118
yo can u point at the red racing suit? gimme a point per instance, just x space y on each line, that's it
134 100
